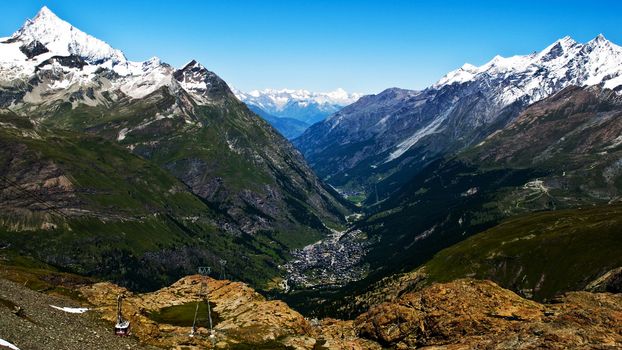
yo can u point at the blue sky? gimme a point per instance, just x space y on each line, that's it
363 46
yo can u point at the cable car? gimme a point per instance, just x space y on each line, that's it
122 328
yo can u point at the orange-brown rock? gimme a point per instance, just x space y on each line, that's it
333 334
464 314
467 314
245 316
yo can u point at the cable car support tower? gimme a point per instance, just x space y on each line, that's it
204 271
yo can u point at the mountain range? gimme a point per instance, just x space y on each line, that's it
560 153
291 112
374 145
143 170
139 172
511 138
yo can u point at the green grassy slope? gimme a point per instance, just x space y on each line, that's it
540 254
144 190
226 154
122 218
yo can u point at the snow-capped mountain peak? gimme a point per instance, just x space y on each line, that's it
202 84
460 110
599 39
69 62
564 42
565 62
63 39
555 50
192 65
193 77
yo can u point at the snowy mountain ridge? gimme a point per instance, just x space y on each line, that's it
529 77
67 61
597 61
303 105
274 100
64 61
533 77
402 127
62 38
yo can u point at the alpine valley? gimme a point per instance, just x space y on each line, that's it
483 212
513 137
142 170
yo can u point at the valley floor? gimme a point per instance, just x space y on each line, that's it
331 262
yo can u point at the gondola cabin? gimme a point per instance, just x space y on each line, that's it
122 329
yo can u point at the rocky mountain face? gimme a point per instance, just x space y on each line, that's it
291 112
242 318
210 175
576 124
378 143
468 314
560 153
233 305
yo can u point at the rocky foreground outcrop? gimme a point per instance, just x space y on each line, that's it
469 314
463 314
245 318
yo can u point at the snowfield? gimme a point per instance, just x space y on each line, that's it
71 310
7 344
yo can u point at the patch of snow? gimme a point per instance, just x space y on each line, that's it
416 137
71 310
60 84
148 82
383 120
615 143
471 191
425 234
122 134
613 83
160 116
7 344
